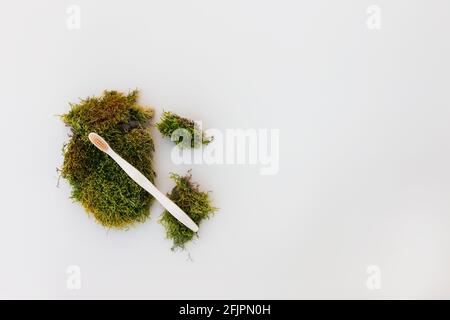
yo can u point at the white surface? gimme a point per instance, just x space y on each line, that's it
364 159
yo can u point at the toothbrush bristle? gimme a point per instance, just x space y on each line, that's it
98 141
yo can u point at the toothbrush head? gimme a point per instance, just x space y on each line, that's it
98 141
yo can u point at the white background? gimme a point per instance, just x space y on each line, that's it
364 147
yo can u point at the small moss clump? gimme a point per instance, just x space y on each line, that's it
97 182
197 205
176 127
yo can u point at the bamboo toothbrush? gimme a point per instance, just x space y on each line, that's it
141 180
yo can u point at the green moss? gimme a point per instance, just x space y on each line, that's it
97 182
170 122
197 204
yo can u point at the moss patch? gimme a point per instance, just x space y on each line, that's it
170 122
97 182
197 205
